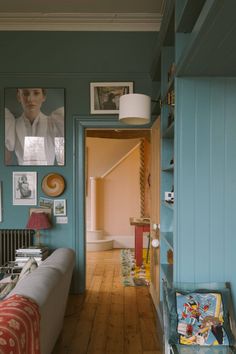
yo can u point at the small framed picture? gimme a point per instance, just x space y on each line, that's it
46 202
59 208
105 96
24 188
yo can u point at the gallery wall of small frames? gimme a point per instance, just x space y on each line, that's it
24 192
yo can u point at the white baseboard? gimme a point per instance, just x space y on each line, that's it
125 241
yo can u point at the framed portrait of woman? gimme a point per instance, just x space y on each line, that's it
34 126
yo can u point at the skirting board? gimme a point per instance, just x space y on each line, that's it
125 241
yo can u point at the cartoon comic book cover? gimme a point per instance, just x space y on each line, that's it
200 319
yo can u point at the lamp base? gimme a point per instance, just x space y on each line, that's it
37 235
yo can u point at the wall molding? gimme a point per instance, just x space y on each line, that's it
38 21
81 123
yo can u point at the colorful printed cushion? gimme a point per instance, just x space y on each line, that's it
19 326
201 319
7 284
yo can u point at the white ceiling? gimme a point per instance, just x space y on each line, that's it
111 15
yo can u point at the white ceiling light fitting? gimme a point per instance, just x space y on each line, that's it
135 109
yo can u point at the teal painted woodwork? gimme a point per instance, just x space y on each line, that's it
201 221
69 60
80 125
167 210
210 49
205 179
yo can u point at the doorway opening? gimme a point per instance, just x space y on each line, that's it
117 186
84 125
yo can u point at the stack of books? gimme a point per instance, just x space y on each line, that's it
39 253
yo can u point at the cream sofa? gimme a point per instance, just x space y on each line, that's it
49 286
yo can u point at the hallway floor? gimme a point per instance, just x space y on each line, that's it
109 318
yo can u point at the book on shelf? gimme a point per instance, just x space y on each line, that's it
24 260
26 257
22 255
26 254
21 264
32 249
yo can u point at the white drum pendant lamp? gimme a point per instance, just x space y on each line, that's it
135 108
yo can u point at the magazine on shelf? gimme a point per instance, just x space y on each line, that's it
32 250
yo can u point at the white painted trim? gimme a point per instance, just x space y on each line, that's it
36 21
154 296
121 160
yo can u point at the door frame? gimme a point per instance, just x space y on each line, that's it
81 123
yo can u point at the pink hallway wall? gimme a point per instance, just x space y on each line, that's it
102 155
121 196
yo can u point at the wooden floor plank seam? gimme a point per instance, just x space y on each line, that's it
109 318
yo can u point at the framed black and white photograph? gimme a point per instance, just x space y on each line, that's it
59 207
105 96
24 188
0 201
34 126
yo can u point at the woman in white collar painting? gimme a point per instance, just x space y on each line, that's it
39 138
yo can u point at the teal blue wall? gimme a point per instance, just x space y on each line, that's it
205 180
69 60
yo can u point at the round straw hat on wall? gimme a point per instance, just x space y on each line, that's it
53 184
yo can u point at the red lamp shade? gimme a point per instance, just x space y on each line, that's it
38 221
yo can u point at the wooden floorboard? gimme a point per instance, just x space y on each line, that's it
109 318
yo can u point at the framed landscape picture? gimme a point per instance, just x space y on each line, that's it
24 187
105 96
59 207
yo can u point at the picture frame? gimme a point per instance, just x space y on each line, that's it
47 211
0 201
46 203
45 145
24 188
59 208
105 96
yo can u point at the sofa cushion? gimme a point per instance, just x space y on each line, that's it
7 284
38 284
60 259
49 285
29 266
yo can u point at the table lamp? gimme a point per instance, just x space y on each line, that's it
37 222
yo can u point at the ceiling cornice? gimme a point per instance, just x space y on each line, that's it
79 21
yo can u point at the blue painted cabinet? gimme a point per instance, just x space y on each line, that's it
167 164
198 150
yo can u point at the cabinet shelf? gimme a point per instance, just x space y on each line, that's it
188 14
201 54
169 168
170 87
167 273
168 205
168 238
169 132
